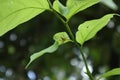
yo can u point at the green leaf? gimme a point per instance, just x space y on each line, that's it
47 50
75 6
15 12
60 38
88 29
60 8
113 72
72 7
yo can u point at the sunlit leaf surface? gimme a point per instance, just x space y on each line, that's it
15 12
88 29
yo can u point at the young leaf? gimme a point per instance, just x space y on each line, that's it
72 7
75 6
113 72
88 29
38 54
60 38
15 12
60 8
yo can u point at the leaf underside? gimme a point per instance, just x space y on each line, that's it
60 38
15 12
88 29
50 49
72 7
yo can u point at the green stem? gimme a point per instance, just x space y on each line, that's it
80 48
49 3
69 31
85 62
73 38
55 12
63 21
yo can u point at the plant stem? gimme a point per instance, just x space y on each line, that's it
69 31
49 3
73 38
63 21
80 48
85 62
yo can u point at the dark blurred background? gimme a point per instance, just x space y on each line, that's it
102 52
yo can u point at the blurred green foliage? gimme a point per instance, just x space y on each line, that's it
102 52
